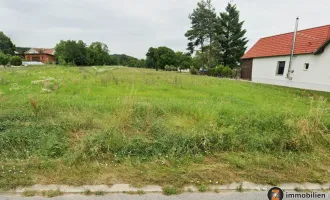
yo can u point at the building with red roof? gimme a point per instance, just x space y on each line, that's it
40 55
268 60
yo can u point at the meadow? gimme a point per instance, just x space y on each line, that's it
107 125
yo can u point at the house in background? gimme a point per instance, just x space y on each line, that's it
268 60
40 55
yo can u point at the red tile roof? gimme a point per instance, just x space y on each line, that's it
308 41
43 51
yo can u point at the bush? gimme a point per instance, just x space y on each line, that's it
170 68
220 71
212 72
227 72
4 59
16 61
194 71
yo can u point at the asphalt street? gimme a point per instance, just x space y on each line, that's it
186 196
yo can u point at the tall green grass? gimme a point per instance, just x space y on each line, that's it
100 113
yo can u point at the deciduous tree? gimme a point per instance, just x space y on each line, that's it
6 45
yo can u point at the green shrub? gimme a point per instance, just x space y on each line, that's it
212 72
202 188
4 59
16 61
170 190
194 71
227 72
221 71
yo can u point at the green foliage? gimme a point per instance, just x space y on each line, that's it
98 54
203 29
159 57
128 61
170 190
220 71
99 193
52 193
22 50
4 59
165 56
29 193
16 61
202 188
6 45
71 52
222 37
232 40
183 61
152 58
194 71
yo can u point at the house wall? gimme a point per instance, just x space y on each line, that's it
44 58
317 77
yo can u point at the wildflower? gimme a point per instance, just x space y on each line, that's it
45 90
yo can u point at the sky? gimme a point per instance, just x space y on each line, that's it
132 26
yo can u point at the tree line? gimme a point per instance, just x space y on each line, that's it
216 43
77 53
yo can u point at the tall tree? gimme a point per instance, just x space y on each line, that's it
71 52
6 45
152 58
183 61
231 36
203 29
165 56
98 54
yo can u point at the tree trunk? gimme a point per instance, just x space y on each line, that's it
202 46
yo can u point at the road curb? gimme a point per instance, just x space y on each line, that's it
122 188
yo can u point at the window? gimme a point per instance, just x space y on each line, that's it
306 66
280 68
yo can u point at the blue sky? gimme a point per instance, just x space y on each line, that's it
132 26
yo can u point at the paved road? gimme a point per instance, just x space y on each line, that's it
187 196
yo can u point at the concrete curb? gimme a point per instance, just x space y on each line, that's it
121 188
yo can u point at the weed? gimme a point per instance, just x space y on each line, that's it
35 107
52 193
202 188
29 193
190 190
240 188
216 190
298 189
99 193
87 192
170 190
140 192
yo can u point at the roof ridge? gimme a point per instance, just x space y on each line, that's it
298 31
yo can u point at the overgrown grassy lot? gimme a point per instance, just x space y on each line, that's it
106 125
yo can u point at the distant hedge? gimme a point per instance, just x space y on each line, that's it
16 61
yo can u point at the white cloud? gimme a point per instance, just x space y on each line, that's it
131 26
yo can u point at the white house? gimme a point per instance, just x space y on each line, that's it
268 60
